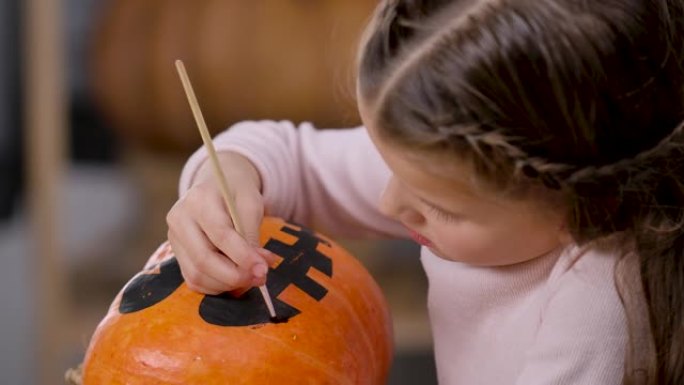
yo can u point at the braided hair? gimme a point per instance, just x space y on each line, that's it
582 98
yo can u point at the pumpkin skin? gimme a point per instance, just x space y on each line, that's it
267 59
336 325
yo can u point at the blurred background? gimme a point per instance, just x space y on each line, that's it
94 130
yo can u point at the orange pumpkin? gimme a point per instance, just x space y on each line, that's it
335 325
266 59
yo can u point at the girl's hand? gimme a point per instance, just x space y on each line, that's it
213 257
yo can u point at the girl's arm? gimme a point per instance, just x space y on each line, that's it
327 179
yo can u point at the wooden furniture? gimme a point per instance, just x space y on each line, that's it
45 132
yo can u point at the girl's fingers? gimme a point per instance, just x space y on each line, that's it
193 279
270 257
216 225
212 254
205 261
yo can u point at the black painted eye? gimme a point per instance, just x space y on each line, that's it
149 289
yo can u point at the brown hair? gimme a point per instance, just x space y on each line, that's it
583 97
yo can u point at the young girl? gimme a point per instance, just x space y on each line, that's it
534 149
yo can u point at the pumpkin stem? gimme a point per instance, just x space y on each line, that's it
74 376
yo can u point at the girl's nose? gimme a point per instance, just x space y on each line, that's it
397 205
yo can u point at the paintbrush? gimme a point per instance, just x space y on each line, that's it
206 138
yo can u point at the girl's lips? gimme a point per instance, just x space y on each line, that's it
419 238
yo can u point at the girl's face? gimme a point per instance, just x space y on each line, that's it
445 211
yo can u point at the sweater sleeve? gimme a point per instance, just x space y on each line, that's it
582 334
327 179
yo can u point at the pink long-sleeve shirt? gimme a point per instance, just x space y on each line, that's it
557 319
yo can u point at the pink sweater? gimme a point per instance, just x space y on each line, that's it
557 319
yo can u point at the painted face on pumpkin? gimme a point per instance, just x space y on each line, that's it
248 309
338 328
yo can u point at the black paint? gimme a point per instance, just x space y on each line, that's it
149 289
278 319
146 290
250 309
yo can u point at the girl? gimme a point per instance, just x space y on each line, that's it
534 149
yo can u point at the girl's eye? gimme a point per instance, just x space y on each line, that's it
443 215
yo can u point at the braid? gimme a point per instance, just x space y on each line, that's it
665 147
484 143
636 167
556 175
